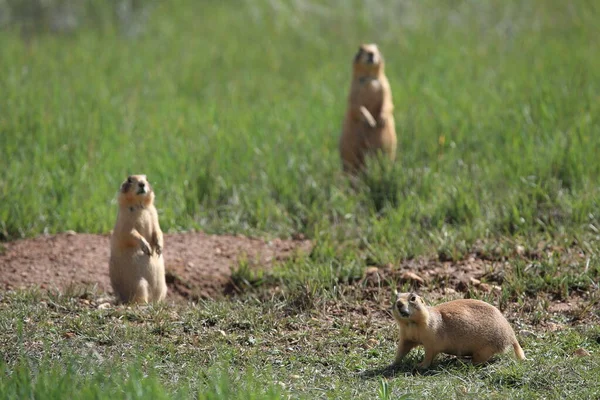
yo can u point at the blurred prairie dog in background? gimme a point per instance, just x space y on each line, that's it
369 125
461 327
136 266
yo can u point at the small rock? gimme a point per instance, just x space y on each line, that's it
371 270
411 276
70 233
474 282
581 352
520 250
484 287
217 251
560 307
449 291
103 306
552 327
189 265
103 299
295 376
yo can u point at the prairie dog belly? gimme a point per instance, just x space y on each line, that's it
368 92
144 224
374 85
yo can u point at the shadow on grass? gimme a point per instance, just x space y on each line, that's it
410 368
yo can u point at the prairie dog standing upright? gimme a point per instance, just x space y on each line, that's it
461 327
369 125
136 266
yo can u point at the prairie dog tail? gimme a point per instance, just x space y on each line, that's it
518 351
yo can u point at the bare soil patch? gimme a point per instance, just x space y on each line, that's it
198 265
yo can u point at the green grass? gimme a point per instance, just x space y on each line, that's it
233 110
59 346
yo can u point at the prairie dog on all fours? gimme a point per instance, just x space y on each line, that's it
369 125
460 327
136 266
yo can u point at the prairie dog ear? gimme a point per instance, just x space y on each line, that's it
395 295
358 54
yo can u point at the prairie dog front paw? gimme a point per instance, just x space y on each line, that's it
367 117
145 247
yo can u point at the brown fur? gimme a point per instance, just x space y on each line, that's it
136 266
461 327
369 125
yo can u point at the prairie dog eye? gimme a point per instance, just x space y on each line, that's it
413 298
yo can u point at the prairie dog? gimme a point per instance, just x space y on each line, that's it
369 122
461 327
136 266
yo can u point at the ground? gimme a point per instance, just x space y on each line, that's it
198 265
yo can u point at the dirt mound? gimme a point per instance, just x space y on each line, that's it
198 265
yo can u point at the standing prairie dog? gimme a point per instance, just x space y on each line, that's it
369 125
136 266
461 327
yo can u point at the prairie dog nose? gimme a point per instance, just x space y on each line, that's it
142 188
402 309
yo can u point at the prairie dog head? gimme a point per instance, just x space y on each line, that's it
368 61
136 191
408 307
